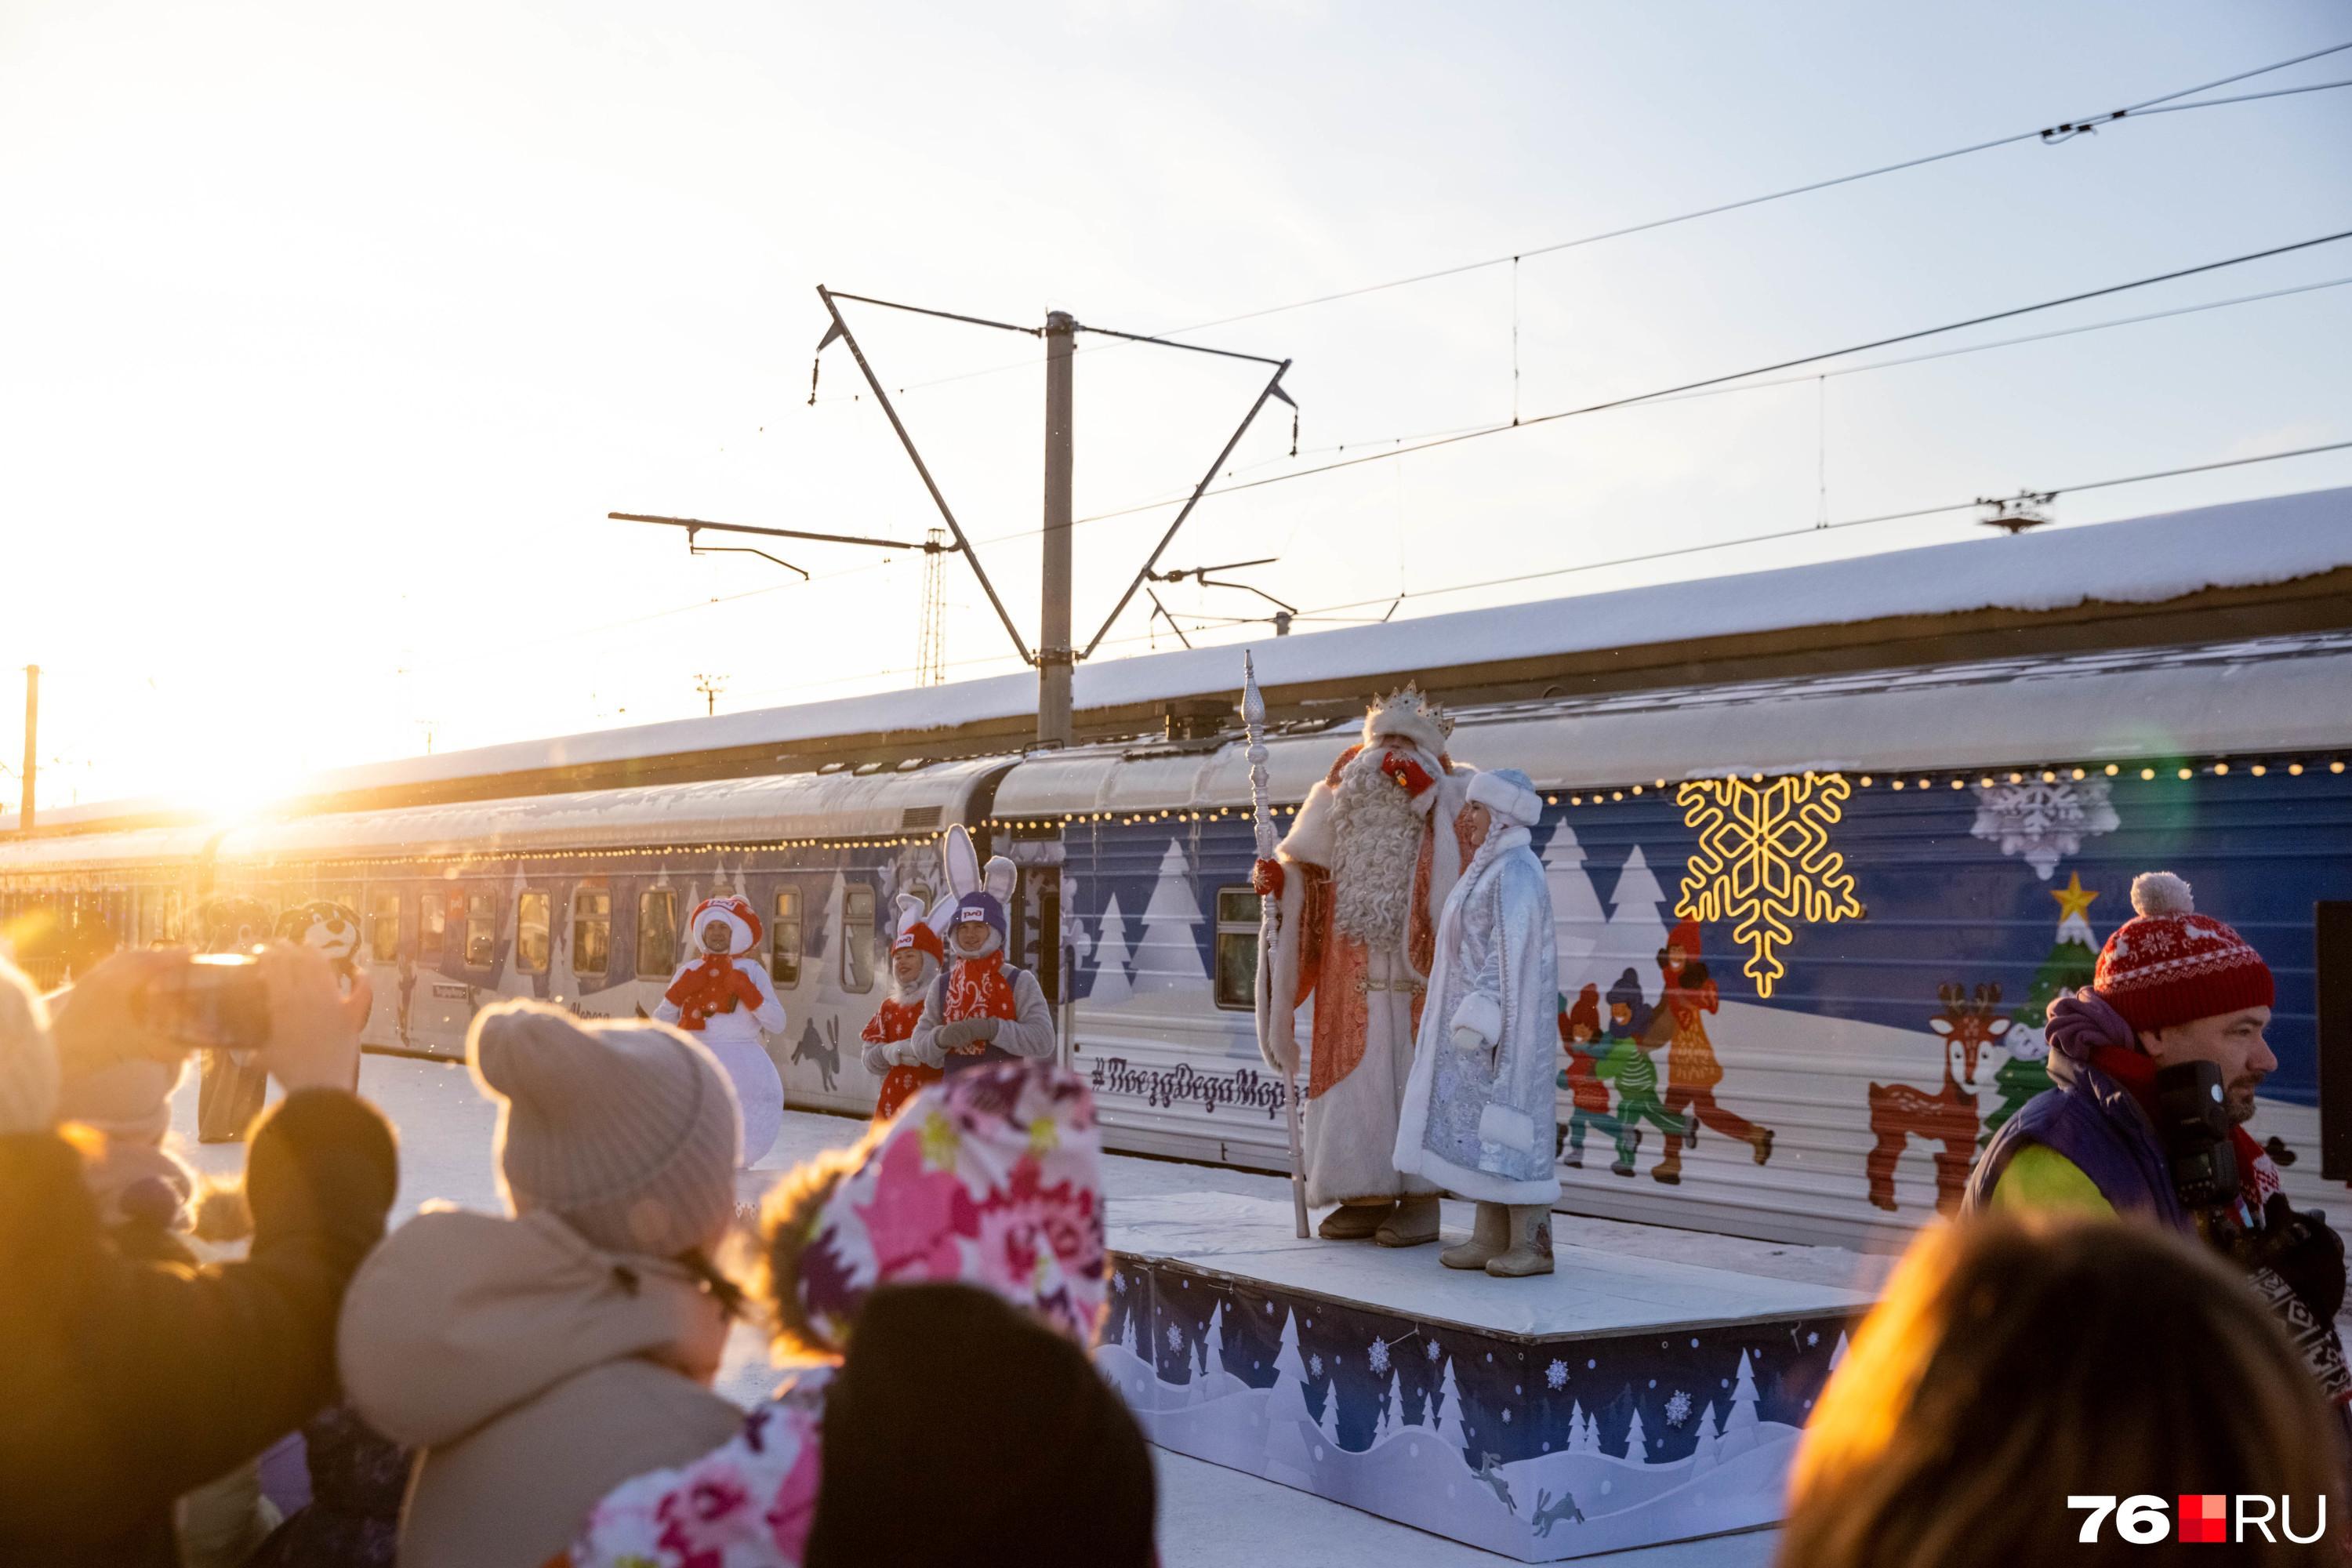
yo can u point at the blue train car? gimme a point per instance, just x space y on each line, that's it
1885 879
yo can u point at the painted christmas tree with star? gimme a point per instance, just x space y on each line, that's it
2074 959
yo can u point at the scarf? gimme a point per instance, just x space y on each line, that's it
708 987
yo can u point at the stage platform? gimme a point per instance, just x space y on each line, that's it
1624 1401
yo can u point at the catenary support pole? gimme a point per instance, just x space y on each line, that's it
1054 724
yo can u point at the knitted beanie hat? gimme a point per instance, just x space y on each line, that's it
628 1132
28 1066
2171 965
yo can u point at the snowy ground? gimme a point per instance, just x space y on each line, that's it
1210 1517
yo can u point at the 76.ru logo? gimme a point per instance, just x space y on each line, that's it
2204 1517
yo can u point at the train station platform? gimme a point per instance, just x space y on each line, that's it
1208 1253
1623 1401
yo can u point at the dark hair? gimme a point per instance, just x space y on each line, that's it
2015 1362
960 1430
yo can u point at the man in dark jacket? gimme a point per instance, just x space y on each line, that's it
126 1383
2171 986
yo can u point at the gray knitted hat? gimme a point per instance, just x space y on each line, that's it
28 1063
628 1132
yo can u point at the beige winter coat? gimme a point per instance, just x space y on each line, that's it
531 1372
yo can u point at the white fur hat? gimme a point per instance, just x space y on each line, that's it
1508 794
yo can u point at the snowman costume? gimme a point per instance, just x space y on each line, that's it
724 999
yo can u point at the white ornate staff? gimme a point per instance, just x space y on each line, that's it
1269 916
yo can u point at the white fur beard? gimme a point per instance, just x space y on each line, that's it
1376 842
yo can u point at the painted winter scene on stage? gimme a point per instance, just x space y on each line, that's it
1537 1449
1817 1078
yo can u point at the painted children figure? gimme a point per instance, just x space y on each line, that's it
1580 1031
915 957
1692 1071
1636 1076
981 1009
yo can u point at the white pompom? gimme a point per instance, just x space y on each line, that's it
2161 893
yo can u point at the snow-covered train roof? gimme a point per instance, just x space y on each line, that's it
2271 696
845 805
2150 560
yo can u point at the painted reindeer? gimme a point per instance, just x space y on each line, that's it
1948 1116
823 1050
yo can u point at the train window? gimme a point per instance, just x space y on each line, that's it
532 946
171 920
347 896
1237 917
592 931
481 929
384 925
784 939
657 933
435 918
857 938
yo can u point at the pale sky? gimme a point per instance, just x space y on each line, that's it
329 336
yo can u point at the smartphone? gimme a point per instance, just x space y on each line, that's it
214 1001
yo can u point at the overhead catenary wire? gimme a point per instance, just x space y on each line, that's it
1664 392
2056 132
2059 131
1873 365
1395 600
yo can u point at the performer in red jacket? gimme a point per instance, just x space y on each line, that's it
916 956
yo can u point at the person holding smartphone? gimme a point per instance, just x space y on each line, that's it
129 1382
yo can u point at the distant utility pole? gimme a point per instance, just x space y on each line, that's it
932 644
1056 657
32 740
1057 652
710 686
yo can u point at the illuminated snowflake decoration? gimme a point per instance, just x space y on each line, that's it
1555 1375
1430 1350
1378 1356
1118 1283
1315 1366
2044 823
1764 862
1175 1338
1678 1408
1813 1339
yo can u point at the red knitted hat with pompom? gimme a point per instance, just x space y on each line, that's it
2171 965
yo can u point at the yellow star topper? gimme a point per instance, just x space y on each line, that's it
2073 899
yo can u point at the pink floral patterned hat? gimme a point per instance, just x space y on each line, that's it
991 1178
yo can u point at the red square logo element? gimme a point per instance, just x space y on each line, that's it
2204 1517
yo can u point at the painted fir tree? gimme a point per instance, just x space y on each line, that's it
1637 1447
1330 1423
1739 1427
1168 958
2073 960
1578 920
1112 984
1636 930
1703 1452
1449 1404
1288 1398
1212 1343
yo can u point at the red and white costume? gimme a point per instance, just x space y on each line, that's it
887 1054
724 998
1365 871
